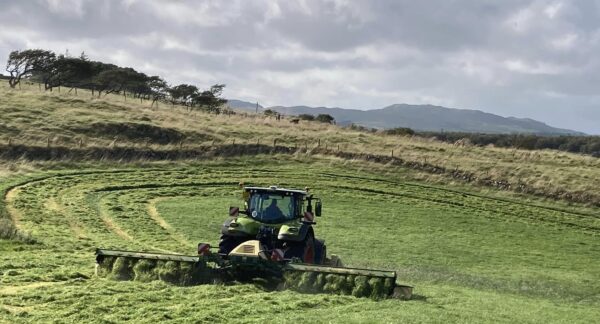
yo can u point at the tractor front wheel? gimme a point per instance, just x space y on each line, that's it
227 243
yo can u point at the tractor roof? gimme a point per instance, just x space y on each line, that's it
276 189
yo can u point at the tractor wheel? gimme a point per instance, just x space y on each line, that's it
320 252
227 243
305 250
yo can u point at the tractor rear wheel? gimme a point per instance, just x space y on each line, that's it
304 250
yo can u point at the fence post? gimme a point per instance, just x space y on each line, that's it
9 141
233 142
274 142
392 154
48 141
319 142
258 142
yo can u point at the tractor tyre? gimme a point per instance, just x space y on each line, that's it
320 252
227 243
305 250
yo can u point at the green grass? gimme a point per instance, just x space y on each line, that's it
37 119
472 257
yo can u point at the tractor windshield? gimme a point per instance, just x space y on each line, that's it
272 208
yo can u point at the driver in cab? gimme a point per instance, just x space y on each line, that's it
273 212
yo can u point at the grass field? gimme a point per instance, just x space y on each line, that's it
51 119
472 256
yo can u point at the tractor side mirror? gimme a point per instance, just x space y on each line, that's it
234 211
318 207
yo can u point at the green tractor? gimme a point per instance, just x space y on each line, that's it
272 240
281 220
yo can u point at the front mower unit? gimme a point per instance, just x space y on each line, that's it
245 265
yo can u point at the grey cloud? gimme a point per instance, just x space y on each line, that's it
534 59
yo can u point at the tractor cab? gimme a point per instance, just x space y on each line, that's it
274 205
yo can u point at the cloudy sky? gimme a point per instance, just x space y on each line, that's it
537 59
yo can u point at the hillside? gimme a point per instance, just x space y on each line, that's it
77 173
422 118
52 124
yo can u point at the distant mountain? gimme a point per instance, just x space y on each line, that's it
244 105
430 118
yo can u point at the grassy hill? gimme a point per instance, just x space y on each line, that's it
46 124
82 173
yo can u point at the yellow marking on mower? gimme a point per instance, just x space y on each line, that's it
248 248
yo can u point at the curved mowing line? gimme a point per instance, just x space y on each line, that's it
285 175
458 192
54 206
112 226
9 199
592 230
155 215
115 228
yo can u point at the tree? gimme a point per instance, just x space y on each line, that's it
211 99
325 118
23 63
118 79
182 94
269 112
69 71
158 88
306 117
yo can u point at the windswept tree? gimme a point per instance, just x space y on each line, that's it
22 64
182 94
325 118
211 99
51 70
158 89
118 79
306 117
65 71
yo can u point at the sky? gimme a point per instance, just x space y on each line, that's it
533 59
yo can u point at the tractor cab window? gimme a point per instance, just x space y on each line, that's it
272 207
